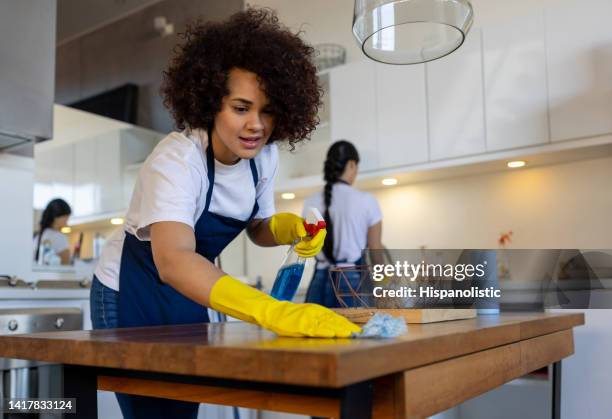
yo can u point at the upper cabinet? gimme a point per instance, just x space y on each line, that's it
353 109
401 109
515 83
455 96
579 54
92 164
513 89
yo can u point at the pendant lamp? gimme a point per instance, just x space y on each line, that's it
411 31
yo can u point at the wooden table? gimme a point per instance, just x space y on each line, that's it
432 368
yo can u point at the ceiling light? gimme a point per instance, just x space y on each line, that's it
516 163
390 181
288 195
66 230
116 221
411 31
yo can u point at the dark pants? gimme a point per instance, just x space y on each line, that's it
104 303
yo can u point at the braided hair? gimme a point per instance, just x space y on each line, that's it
56 208
338 155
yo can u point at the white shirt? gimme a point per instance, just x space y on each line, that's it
352 213
172 185
59 242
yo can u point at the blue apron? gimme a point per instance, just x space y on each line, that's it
144 300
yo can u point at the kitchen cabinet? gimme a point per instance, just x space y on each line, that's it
353 114
308 156
95 175
455 101
108 167
578 36
84 182
53 176
514 62
401 112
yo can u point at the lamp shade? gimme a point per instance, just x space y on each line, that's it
411 31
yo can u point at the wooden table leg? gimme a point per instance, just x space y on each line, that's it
356 401
556 389
80 383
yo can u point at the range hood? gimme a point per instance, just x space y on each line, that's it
27 71
10 141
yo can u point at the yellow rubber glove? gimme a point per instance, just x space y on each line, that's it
232 297
287 228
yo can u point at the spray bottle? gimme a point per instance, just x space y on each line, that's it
290 273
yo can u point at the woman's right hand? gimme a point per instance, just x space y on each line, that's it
236 299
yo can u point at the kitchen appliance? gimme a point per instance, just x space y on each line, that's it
20 378
411 31
27 71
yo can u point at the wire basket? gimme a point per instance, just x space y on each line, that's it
328 56
353 287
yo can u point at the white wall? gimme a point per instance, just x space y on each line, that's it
16 185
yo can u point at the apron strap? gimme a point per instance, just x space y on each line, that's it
255 180
254 172
210 171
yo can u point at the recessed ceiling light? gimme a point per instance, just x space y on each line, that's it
390 181
116 221
288 195
516 163
66 230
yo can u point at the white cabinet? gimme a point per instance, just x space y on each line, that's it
515 83
109 174
455 101
353 109
401 109
85 186
53 176
579 35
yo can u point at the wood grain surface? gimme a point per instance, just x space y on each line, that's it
245 352
411 315
434 388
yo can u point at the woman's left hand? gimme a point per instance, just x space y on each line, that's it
310 248
287 228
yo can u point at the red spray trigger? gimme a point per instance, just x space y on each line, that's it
314 222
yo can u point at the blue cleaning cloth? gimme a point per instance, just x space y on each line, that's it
383 325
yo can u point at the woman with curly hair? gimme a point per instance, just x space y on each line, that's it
235 90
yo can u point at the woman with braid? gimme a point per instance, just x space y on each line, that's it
353 218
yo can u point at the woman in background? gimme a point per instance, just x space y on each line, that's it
354 223
54 217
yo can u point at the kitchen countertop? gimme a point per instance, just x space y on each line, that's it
43 294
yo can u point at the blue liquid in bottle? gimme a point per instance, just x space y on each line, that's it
287 281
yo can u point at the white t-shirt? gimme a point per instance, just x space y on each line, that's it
172 185
352 213
59 242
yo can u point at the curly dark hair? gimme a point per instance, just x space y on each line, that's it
196 79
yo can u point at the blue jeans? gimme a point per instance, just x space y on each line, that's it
104 303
